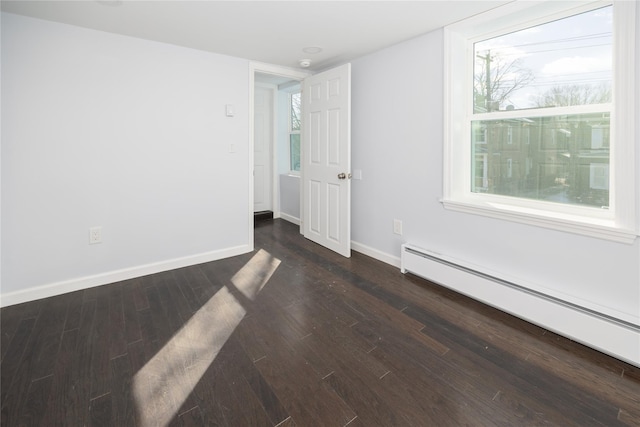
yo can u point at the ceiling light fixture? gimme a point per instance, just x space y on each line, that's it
110 3
305 63
312 49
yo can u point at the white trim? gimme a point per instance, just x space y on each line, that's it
277 70
620 222
273 158
605 230
290 218
376 254
625 202
542 112
58 288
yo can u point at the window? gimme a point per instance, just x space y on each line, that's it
294 132
538 104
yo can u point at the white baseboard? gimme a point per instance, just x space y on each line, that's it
86 282
290 218
375 253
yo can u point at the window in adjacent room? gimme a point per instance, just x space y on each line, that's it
539 100
294 132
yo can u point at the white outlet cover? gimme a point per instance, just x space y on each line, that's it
95 235
397 227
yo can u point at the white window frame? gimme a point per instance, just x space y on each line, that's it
292 132
620 221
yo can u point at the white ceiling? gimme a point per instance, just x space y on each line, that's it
274 32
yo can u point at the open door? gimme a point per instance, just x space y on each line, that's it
263 119
326 159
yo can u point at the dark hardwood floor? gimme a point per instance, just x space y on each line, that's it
292 334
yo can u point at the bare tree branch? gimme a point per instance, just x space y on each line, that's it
505 77
575 95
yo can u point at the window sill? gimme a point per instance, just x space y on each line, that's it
598 228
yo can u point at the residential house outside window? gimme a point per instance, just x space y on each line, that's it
538 104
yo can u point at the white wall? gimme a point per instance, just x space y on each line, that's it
397 135
290 198
131 135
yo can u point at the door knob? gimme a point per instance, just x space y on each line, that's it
344 176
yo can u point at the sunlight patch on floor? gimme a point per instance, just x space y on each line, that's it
164 383
250 281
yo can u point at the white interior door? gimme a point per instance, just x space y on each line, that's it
326 159
263 135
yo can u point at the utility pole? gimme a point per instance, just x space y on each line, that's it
487 63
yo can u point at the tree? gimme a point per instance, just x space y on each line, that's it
565 95
295 111
497 79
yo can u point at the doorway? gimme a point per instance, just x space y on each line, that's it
325 148
270 86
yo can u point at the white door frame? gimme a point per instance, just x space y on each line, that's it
274 191
276 70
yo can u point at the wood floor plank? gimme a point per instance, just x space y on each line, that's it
84 351
31 309
123 401
177 298
327 340
36 402
117 338
10 318
74 311
518 373
370 408
318 400
139 294
61 409
15 351
48 334
100 411
132 331
137 361
191 281
242 366
192 418
100 369
37 359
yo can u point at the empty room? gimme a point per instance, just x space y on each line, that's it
320 213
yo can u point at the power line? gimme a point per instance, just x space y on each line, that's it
567 39
506 55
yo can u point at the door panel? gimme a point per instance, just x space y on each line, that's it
314 207
326 156
263 135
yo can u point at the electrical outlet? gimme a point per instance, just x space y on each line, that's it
95 235
397 227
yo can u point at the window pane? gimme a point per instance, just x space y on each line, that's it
294 150
560 63
562 159
295 111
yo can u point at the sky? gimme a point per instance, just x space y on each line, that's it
573 50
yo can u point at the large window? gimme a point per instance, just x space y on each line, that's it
538 103
294 132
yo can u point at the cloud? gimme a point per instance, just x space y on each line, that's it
576 65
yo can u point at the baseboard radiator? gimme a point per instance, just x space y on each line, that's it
617 337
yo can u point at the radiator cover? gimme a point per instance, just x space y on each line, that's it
614 336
